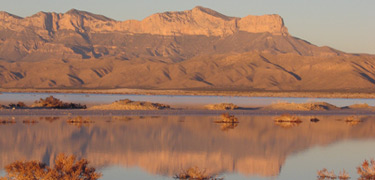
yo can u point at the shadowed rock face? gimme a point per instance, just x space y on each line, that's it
165 145
193 49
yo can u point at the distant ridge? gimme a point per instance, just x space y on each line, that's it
192 49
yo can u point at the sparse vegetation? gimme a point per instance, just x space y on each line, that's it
196 174
324 174
30 121
228 126
126 104
65 168
343 175
222 106
52 102
352 120
367 170
287 118
314 119
17 106
3 122
50 119
226 118
287 121
79 121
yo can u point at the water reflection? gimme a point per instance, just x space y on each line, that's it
165 145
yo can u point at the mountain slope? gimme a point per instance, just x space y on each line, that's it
194 49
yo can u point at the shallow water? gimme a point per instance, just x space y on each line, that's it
138 147
173 100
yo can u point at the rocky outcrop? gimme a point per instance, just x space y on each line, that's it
198 21
198 48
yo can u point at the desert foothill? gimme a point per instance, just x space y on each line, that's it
203 90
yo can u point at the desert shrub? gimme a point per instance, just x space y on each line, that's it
65 168
52 102
367 170
7 122
79 121
228 126
314 119
226 118
195 173
352 120
18 105
287 121
287 118
33 121
324 174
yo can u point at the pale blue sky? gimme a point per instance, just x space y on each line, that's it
347 25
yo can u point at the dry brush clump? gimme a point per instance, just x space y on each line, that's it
79 121
228 126
314 119
32 121
287 121
5 122
65 167
324 174
367 170
352 120
222 106
196 174
52 102
226 118
19 105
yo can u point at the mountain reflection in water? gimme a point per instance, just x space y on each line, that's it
165 145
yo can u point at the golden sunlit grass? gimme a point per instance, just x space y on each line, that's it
66 167
324 174
367 170
196 174
222 106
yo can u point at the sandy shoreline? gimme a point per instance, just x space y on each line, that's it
176 112
316 94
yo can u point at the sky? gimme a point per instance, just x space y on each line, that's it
347 25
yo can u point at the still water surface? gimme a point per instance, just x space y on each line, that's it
136 147
173 100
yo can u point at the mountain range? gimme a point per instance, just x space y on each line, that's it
197 49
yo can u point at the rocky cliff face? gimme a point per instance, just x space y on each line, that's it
198 21
198 48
